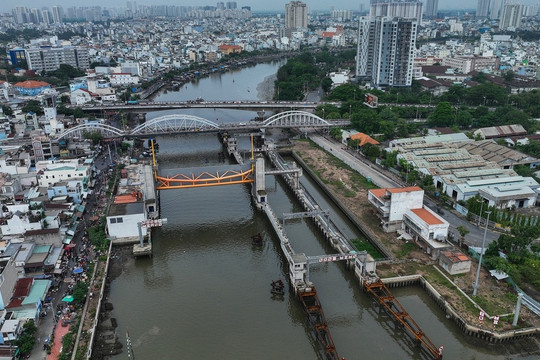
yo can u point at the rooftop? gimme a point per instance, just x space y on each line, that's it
428 217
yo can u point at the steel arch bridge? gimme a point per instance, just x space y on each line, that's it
174 123
295 118
80 130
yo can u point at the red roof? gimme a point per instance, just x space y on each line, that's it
456 256
125 199
405 189
364 139
378 192
427 216
226 47
15 303
31 84
22 287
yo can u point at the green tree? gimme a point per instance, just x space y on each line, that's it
463 231
33 106
371 151
336 133
443 115
95 136
326 84
7 110
79 292
27 340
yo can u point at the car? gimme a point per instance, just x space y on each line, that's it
242 124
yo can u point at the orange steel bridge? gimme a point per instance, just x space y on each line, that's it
381 293
181 181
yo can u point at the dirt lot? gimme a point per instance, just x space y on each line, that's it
495 297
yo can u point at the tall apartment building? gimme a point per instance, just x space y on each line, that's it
495 9
295 16
432 6
50 58
410 9
511 16
482 8
386 49
344 15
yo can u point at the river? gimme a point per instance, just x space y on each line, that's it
205 293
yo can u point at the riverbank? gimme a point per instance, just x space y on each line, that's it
346 188
107 341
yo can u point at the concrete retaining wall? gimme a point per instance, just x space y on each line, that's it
451 312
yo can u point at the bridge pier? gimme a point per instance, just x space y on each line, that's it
259 188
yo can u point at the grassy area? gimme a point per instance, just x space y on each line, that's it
361 245
406 248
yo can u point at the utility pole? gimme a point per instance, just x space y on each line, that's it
475 290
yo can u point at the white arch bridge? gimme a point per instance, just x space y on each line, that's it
181 123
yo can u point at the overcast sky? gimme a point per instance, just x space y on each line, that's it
256 5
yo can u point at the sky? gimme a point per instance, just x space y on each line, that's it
256 5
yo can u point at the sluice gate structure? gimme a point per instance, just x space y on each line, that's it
299 263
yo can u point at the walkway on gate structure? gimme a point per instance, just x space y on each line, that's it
392 306
183 123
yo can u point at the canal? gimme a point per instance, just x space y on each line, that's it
205 293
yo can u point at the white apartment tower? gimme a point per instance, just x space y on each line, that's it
432 6
511 16
482 8
295 15
57 14
495 9
386 48
410 9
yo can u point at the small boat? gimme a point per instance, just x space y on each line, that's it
278 288
257 239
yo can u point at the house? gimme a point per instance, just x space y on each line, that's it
11 329
124 216
427 229
8 274
363 139
454 262
230 49
31 87
391 204
81 96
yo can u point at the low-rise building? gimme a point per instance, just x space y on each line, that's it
392 204
454 262
427 229
31 87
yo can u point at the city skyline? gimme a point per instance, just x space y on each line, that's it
256 5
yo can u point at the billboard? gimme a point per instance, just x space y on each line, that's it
371 100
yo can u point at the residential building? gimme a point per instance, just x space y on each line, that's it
392 204
386 50
123 79
8 278
411 9
495 9
295 16
50 58
467 64
427 229
511 16
432 6
134 202
482 9
31 87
